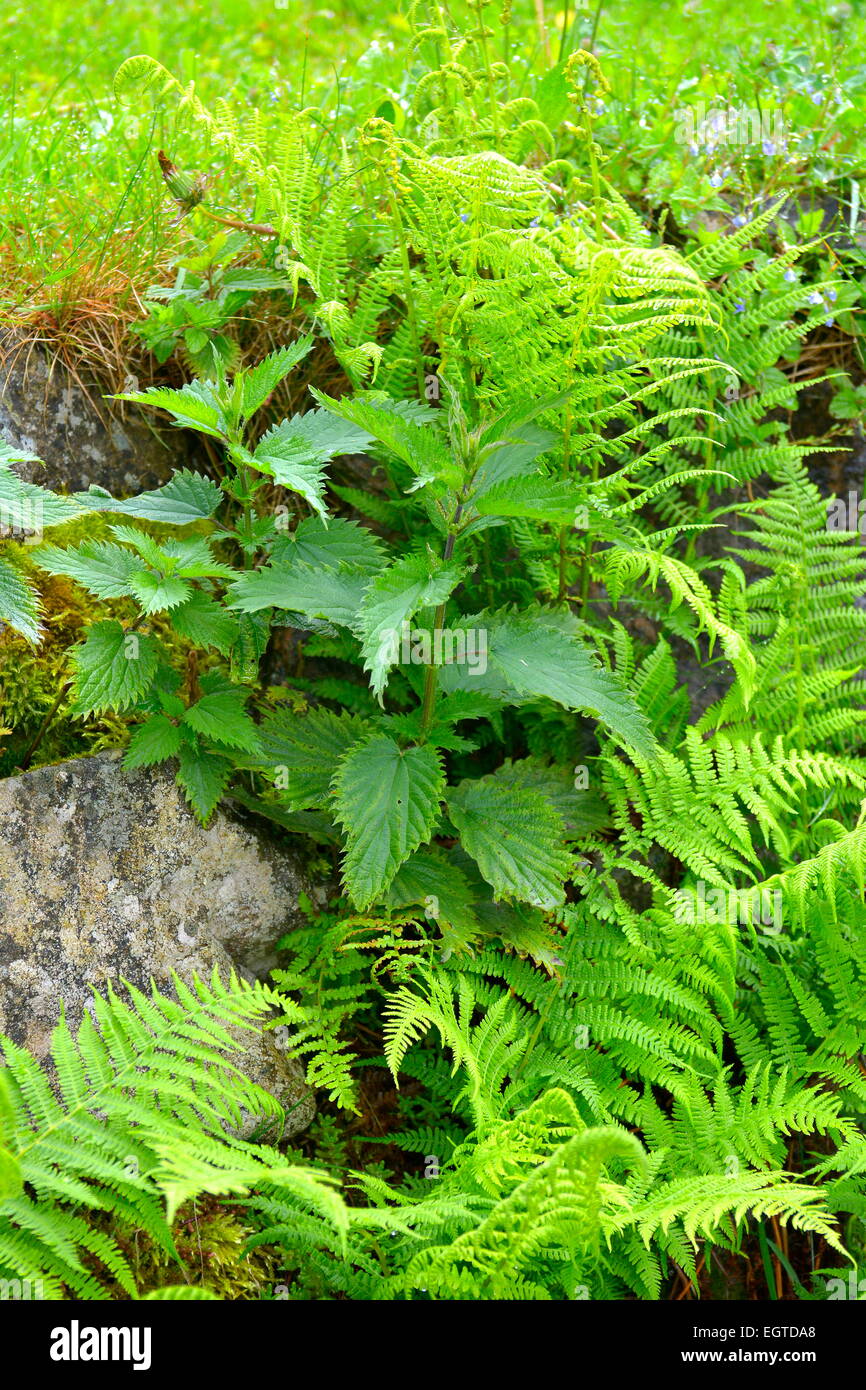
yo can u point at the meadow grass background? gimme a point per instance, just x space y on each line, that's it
84 220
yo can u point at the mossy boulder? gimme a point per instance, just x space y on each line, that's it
106 876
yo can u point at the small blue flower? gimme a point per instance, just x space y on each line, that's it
829 322
739 306
768 147
832 296
535 222
817 99
790 275
716 180
464 217
739 220
815 298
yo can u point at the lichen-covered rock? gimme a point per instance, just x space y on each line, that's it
78 435
106 875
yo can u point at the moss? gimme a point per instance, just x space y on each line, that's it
31 678
211 1240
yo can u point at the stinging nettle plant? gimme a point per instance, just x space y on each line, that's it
379 782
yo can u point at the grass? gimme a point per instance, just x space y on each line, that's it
86 228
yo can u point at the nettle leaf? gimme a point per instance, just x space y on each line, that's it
341 542
260 381
582 809
294 452
420 446
28 507
160 738
113 668
300 752
334 595
554 500
405 588
156 593
187 497
204 776
194 406
220 715
515 836
19 605
538 654
195 560
205 622
102 568
297 474
13 453
513 459
145 546
428 880
387 801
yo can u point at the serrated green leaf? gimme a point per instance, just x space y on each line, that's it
538 654
221 716
195 406
515 836
429 880
334 595
102 568
387 801
582 809
554 500
203 776
301 752
196 560
259 381
417 445
250 645
187 497
19 605
341 542
153 742
295 451
205 622
405 588
156 593
28 507
113 668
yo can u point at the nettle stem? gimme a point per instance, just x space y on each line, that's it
431 670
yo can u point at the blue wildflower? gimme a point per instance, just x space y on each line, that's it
832 296
739 306
716 180
739 220
815 298
768 147
790 275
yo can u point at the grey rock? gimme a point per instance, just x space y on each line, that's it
79 436
106 875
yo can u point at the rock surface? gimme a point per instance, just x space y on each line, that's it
106 875
77 434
